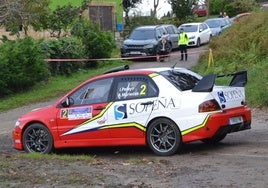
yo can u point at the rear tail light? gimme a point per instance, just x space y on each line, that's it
208 106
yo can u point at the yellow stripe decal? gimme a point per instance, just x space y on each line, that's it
124 125
153 75
99 115
187 131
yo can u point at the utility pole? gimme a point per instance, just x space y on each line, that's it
207 4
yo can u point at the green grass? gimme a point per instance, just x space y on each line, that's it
55 3
65 157
244 46
55 87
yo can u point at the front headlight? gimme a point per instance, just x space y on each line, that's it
123 46
192 37
17 123
149 46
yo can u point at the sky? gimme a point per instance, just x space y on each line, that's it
147 5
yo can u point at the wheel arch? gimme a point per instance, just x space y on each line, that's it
33 122
159 117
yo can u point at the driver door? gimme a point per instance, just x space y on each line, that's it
85 113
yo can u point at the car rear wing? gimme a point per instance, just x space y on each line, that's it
206 84
117 69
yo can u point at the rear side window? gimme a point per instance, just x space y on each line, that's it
135 87
182 80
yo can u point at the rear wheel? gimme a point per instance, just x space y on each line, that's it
163 137
37 138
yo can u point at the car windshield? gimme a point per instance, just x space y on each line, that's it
213 23
189 28
183 80
142 34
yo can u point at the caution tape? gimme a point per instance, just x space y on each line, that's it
122 58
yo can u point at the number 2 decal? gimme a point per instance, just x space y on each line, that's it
143 89
64 114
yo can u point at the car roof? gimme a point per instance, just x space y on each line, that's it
215 19
141 71
147 27
194 23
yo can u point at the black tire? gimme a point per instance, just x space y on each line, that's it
198 43
209 39
215 139
163 137
37 138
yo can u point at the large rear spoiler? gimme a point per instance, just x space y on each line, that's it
207 82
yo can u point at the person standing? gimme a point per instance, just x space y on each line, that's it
183 42
163 49
220 15
225 15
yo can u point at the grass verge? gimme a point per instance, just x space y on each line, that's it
55 87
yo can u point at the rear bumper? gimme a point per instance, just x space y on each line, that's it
219 123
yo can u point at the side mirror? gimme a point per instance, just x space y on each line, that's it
67 102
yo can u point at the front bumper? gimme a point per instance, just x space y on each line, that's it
17 135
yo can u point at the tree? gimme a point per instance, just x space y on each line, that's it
61 19
182 8
156 3
127 5
17 15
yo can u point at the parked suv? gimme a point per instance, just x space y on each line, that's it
173 34
143 41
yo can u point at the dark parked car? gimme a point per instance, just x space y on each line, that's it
173 34
143 41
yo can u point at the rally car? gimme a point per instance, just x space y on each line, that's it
158 107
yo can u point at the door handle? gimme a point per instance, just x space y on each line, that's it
147 103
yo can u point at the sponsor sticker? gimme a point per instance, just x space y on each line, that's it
76 113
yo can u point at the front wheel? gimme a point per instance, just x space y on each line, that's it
163 137
37 138
198 43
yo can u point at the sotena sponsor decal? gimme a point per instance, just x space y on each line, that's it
120 111
160 104
230 95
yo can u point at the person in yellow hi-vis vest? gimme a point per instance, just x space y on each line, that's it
183 42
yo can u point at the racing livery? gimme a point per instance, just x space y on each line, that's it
159 107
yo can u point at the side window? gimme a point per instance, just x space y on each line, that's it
158 33
93 92
170 30
201 28
135 87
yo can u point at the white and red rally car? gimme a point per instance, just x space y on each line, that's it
158 107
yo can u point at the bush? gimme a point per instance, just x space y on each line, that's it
22 66
64 48
98 44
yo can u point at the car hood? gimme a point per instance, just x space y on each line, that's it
38 113
139 42
191 34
